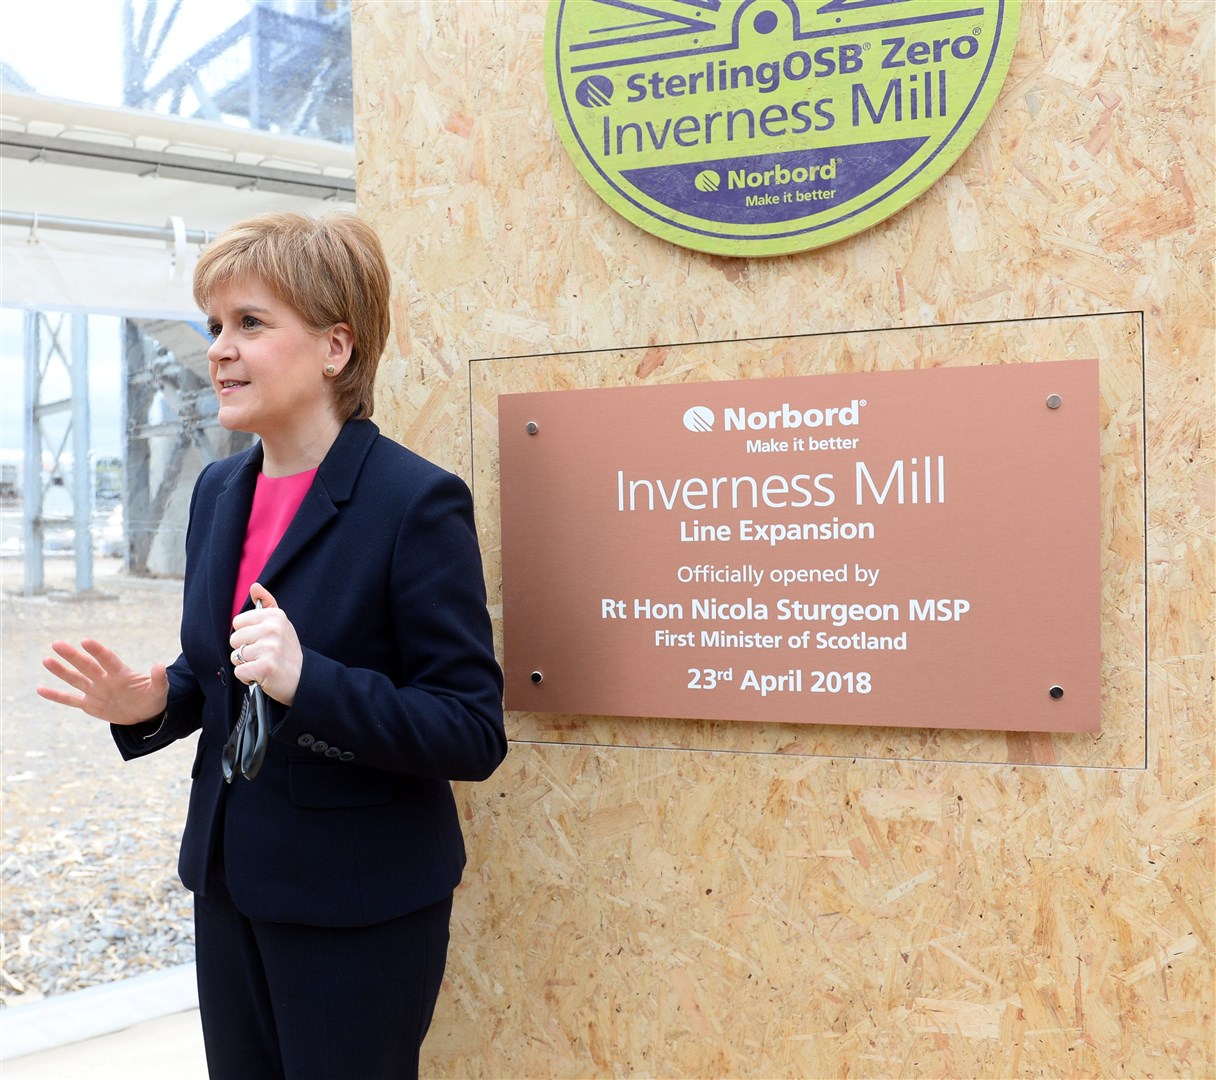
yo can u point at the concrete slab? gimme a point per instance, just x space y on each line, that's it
142 1028
167 1048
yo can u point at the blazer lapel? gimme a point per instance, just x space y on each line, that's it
228 526
316 511
331 487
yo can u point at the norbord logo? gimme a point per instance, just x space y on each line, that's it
763 127
702 419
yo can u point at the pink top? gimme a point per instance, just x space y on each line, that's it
275 502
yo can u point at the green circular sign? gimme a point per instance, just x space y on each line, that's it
762 127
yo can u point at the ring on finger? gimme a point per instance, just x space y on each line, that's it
238 657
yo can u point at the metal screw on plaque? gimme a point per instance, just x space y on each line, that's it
531 428
537 676
1054 402
1056 692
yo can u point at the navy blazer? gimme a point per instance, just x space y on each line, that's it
351 820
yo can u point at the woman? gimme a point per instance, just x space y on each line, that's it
340 573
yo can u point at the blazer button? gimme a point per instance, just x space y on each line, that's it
320 746
333 751
223 677
346 755
305 741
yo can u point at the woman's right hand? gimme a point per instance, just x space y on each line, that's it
108 689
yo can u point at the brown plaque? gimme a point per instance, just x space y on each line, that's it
908 548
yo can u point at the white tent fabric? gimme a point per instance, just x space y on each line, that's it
61 271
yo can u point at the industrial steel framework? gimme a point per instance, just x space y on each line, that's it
56 453
171 429
285 66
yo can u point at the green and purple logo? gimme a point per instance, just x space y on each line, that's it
762 127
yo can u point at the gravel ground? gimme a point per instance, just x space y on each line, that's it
88 866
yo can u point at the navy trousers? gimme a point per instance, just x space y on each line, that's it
301 1002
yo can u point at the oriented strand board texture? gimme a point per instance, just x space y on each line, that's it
734 911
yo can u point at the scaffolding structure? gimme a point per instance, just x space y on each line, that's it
56 442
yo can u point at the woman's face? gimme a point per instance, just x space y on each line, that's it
267 365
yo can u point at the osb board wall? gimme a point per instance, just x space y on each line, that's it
1113 340
686 912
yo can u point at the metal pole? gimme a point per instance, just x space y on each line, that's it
31 495
137 460
82 486
26 220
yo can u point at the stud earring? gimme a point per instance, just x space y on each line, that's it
330 369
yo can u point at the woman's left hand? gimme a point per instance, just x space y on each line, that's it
265 648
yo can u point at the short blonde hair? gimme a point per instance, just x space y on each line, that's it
330 269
